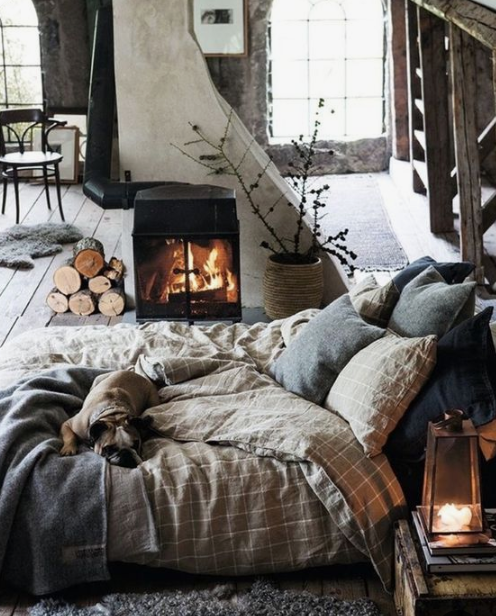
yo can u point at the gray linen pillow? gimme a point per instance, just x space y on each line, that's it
428 305
313 360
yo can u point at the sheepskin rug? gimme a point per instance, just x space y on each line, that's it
262 599
20 244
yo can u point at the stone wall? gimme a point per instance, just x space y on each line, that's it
66 33
65 53
243 83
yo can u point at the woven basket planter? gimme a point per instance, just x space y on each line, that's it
289 288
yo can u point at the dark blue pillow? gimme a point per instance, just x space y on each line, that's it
452 273
464 377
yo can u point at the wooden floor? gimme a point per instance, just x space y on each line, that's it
23 292
22 306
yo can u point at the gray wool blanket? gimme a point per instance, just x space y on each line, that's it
53 519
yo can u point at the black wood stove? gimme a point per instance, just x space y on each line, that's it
186 254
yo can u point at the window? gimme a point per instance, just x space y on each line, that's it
20 66
330 49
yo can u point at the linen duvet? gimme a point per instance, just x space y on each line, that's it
239 476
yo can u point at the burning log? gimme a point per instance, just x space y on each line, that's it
209 295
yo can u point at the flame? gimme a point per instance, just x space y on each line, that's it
209 275
455 518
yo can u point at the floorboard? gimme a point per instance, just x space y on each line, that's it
23 308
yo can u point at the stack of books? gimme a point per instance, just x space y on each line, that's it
441 557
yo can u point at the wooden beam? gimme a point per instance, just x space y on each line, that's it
437 131
466 147
476 20
414 89
399 80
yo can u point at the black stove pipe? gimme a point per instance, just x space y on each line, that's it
97 184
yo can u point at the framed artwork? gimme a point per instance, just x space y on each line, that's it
65 141
221 27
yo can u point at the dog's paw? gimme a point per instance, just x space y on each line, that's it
68 450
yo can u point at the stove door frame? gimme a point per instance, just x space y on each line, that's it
143 307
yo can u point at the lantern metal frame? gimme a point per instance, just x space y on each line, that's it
453 427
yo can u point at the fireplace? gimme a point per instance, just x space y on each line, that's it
186 254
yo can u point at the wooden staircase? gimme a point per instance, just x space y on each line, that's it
448 156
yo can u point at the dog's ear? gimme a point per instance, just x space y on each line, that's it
96 430
142 424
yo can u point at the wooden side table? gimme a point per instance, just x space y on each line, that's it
418 593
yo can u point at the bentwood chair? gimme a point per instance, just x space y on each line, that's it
16 130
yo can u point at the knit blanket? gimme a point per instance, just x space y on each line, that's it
52 509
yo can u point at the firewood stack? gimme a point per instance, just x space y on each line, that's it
87 283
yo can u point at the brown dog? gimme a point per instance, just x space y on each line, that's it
109 418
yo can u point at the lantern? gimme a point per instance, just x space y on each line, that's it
451 499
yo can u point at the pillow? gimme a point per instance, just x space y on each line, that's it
487 439
375 388
452 273
312 361
374 303
464 378
428 305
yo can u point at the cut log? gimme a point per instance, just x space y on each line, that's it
67 279
112 274
99 284
57 301
82 303
89 257
116 266
112 302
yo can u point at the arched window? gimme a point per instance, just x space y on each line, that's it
20 66
330 49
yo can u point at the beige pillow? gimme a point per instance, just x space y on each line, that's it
375 304
377 385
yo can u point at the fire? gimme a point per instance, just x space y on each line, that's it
455 518
207 271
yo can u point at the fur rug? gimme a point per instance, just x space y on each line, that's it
262 599
20 244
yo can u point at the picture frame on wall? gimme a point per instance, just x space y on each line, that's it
221 27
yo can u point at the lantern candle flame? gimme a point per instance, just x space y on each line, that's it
455 518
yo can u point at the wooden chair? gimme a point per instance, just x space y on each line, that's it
16 126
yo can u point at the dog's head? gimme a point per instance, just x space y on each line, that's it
119 440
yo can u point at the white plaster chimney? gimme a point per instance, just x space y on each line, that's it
163 83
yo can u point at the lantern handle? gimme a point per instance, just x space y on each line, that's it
452 422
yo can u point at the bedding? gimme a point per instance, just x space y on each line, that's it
312 361
464 377
378 384
242 477
44 496
429 305
453 273
373 302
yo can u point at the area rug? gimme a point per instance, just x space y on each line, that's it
262 599
354 202
20 244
